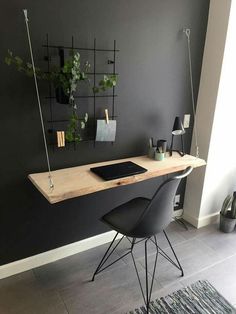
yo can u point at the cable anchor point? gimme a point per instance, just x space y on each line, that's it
187 32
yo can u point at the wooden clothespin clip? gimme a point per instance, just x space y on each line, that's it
60 139
107 116
63 139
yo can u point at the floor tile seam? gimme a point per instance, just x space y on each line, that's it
166 246
153 253
143 269
181 280
208 267
163 248
173 244
41 290
63 301
35 275
177 244
169 285
184 241
200 234
195 273
56 290
150 274
138 260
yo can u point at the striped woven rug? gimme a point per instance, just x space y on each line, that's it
199 298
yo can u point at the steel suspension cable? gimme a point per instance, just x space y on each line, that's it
188 33
51 185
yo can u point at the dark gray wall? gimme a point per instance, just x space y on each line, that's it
153 88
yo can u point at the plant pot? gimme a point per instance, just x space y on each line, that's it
227 224
61 97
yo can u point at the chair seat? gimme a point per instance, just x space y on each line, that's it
124 217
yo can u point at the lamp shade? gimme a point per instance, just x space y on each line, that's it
178 128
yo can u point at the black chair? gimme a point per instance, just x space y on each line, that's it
144 218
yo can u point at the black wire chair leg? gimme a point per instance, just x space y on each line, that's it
167 257
148 291
154 270
104 259
133 243
172 249
146 277
119 258
139 280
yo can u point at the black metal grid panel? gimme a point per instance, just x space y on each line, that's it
53 120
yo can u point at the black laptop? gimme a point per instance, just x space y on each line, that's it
119 170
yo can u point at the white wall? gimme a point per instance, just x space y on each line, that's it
216 115
221 171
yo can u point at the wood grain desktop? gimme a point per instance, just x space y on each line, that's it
77 181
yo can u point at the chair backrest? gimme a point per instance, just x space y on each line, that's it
158 214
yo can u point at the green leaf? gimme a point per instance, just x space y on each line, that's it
7 60
95 89
19 61
69 136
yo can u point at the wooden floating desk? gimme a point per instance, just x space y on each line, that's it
78 181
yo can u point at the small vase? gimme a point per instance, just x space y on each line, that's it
61 97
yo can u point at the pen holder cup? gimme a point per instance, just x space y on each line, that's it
163 145
151 152
159 156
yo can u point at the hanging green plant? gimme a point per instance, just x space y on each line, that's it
24 67
72 74
108 81
66 78
73 129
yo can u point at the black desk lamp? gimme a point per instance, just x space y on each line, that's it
178 129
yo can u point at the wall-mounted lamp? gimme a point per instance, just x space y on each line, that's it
178 129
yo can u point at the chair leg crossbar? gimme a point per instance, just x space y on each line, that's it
147 292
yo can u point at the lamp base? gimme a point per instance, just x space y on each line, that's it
177 151
181 153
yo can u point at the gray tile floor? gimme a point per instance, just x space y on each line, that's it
64 286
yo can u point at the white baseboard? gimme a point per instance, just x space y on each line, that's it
202 221
83 245
207 220
56 254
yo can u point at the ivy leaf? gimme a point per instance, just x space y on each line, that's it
19 61
69 136
95 89
7 60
